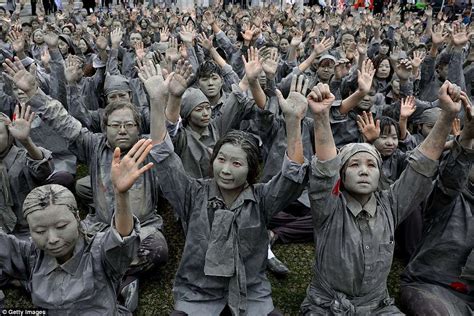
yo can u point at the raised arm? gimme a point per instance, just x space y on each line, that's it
449 101
364 79
253 68
178 84
124 173
407 108
320 100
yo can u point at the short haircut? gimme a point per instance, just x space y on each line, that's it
118 105
207 69
386 123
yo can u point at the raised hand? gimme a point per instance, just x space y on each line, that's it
24 80
45 57
437 36
369 129
72 70
116 37
404 69
51 39
407 107
249 33
209 17
17 40
253 67
126 171
172 53
418 57
460 35
164 34
179 78
204 41
20 127
296 104
270 63
151 76
449 96
365 76
395 54
140 50
187 34
297 38
323 46
101 43
320 99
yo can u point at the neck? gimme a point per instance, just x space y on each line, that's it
361 198
198 129
230 196
213 101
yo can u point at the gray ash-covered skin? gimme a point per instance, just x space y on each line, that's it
439 277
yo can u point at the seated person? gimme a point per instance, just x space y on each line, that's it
66 271
355 221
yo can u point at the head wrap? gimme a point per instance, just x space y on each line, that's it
429 116
52 194
191 98
349 150
115 83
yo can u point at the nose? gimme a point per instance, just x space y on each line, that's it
225 168
52 237
364 170
206 113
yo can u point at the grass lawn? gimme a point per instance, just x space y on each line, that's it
155 289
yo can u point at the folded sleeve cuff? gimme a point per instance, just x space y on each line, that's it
119 240
161 151
326 168
422 164
293 170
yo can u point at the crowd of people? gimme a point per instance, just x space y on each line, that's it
326 123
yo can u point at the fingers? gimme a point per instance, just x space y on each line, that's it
116 157
131 153
293 83
143 151
280 97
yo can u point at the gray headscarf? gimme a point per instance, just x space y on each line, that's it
52 194
192 97
429 116
349 150
116 83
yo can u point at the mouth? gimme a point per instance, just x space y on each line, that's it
364 182
224 180
56 250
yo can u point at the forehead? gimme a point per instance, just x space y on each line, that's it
362 156
135 35
213 75
50 216
385 62
232 151
121 115
389 130
346 37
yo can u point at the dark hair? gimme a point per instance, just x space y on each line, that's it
388 43
207 69
378 60
248 143
118 105
385 124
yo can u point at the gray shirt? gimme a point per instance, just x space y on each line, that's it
85 284
208 278
355 245
446 251
94 150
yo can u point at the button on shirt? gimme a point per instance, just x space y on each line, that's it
242 283
354 243
85 284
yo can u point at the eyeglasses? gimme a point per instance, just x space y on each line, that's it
128 126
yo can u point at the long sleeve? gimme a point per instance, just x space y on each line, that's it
58 78
41 169
455 69
14 256
89 119
283 188
112 63
175 183
81 140
323 191
427 74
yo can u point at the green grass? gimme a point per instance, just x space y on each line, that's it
156 288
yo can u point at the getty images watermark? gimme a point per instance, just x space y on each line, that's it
23 311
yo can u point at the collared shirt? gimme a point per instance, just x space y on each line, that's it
94 150
85 284
354 260
446 252
196 293
195 149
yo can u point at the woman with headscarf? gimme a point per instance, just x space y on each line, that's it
354 220
66 271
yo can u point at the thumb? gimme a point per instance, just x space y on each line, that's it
33 69
279 95
116 157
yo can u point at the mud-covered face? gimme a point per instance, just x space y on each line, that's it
67 31
387 143
346 41
4 137
210 86
284 45
63 47
232 35
200 116
135 38
230 167
55 230
122 129
361 175
368 101
83 46
396 86
383 71
326 70
384 49
38 37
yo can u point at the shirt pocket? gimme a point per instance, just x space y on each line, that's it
386 250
